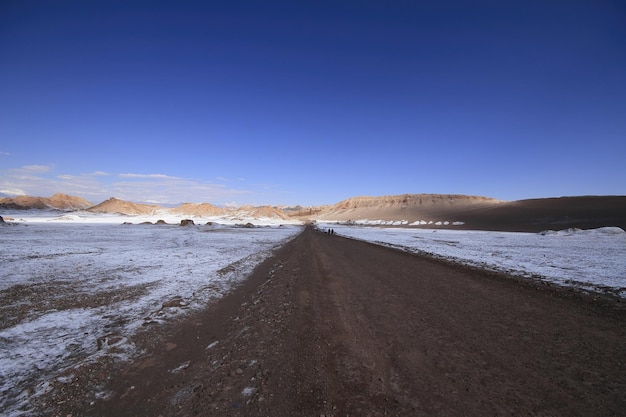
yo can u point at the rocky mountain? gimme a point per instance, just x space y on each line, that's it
419 210
57 201
260 212
479 213
409 207
114 205
202 209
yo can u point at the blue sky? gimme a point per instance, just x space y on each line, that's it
310 102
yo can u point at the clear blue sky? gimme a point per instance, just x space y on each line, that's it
311 102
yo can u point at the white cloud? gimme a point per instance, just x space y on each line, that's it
148 176
225 179
172 190
12 191
269 186
35 169
6 153
77 177
97 186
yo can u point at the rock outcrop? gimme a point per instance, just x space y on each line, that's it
200 210
482 213
114 205
408 207
258 212
57 201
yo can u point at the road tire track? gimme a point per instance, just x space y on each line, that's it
336 327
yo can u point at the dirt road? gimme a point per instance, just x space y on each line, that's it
336 327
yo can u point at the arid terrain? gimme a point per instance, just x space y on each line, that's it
409 210
336 327
481 213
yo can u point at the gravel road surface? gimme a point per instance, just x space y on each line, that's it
335 327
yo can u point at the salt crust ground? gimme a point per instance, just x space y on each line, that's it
70 272
592 260
71 292
331 326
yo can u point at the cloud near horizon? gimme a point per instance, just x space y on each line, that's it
12 192
97 186
148 176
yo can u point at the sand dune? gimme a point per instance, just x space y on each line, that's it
585 212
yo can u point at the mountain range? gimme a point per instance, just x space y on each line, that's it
427 210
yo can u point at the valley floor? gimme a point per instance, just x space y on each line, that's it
337 327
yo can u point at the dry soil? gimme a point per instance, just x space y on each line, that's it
335 327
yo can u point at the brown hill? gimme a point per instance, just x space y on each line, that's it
202 209
482 213
68 202
57 201
23 202
585 212
303 213
261 212
409 207
113 205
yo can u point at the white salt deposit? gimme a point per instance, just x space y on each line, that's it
588 259
67 286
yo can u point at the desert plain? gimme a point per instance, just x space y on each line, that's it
309 322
